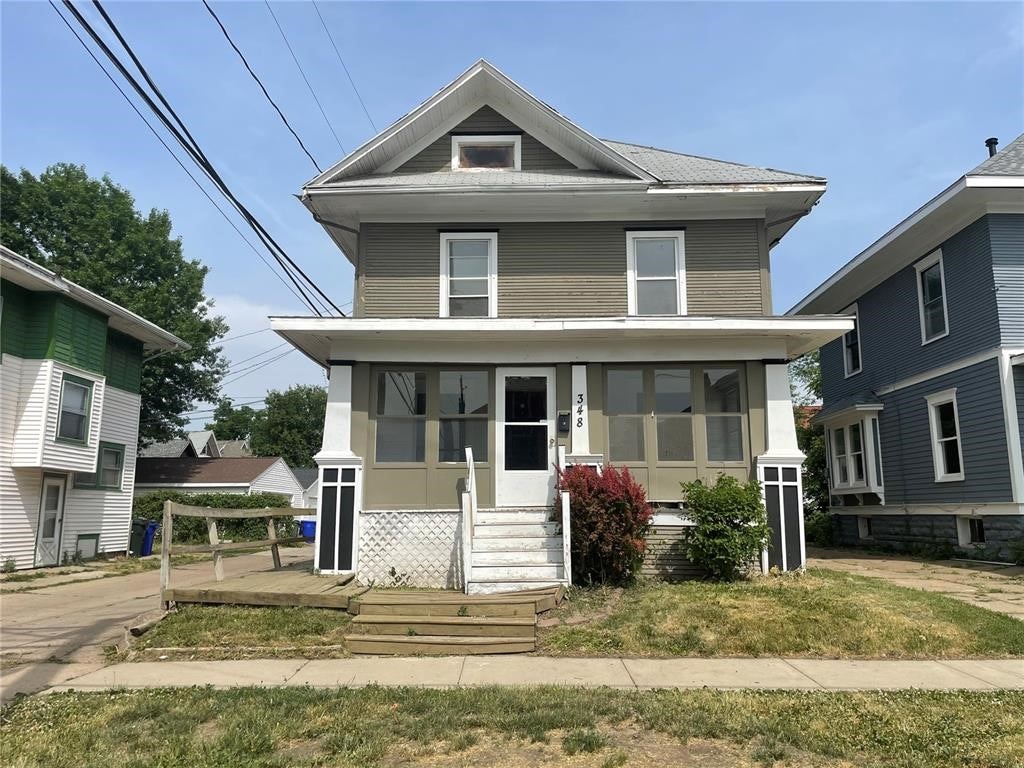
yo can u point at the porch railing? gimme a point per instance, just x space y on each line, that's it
563 499
469 509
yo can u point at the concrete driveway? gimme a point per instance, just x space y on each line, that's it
52 634
995 587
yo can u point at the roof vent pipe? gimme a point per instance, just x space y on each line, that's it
992 144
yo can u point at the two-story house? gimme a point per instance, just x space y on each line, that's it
526 290
70 376
924 398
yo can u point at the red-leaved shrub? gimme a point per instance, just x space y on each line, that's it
609 516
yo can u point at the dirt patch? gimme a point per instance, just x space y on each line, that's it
208 731
302 752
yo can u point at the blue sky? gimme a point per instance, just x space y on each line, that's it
891 102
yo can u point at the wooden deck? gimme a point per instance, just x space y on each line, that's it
283 587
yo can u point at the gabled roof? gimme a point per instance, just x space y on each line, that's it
169 449
28 274
234 448
1009 161
306 476
160 471
203 439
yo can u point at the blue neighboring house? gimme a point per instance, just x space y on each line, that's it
924 399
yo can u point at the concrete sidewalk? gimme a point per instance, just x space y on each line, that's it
638 674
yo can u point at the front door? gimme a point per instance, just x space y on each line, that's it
51 520
525 440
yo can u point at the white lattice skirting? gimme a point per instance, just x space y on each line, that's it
410 548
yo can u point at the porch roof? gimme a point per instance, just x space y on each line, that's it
514 340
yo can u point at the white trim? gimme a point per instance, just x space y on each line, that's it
516 140
964 508
852 310
1015 450
579 414
935 400
942 370
679 236
492 270
994 182
963 531
920 266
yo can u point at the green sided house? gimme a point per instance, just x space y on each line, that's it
70 374
528 295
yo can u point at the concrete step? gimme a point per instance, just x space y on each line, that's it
501 530
460 626
518 556
516 543
437 645
516 572
503 586
517 516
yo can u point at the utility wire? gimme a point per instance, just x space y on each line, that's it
304 78
176 159
260 84
343 66
257 367
243 335
261 354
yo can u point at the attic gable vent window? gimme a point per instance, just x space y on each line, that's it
486 153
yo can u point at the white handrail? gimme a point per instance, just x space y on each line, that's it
566 538
469 508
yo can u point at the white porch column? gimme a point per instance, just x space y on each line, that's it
579 427
778 471
341 482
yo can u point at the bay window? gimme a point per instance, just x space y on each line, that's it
73 419
848 456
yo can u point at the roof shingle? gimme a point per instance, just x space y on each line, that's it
1009 161
201 471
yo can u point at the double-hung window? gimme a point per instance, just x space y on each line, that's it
401 416
851 344
848 463
73 420
462 415
109 469
656 273
469 274
723 413
931 296
944 423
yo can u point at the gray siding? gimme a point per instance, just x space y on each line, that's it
568 269
911 533
1006 232
438 156
907 447
1018 386
890 328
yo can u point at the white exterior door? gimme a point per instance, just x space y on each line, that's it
525 439
51 520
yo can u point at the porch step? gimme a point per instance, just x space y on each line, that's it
493 587
452 626
504 530
517 543
464 608
437 645
553 571
516 556
488 517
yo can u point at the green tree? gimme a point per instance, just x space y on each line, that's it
89 231
230 423
805 378
292 425
805 381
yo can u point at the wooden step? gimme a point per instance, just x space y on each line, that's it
518 543
512 517
505 530
463 626
517 572
549 556
437 645
524 606
550 591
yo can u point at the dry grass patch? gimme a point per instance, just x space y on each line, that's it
818 613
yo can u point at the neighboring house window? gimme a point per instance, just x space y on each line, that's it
864 528
931 294
976 526
401 416
487 153
656 273
723 409
73 421
944 422
848 456
109 469
851 344
673 413
469 274
463 415
625 406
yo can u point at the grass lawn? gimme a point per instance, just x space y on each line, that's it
204 728
819 613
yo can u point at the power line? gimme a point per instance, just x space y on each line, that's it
258 366
261 354
176 159
343 66
304 78
243 335
260 84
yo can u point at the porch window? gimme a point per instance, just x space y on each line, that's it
625 406
487 153
848 456
463 415
673 413
723 408
931 295
109 469
469 281
401 416
656 274
73 421
944 423
851 344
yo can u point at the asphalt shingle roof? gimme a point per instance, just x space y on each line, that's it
306 475
168 449
201 471
1009 161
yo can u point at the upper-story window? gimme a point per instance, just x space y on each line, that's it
487 153
109 469
73 421
931 296
851 344
944 423
469 274
656 273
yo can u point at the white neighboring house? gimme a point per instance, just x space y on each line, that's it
70 374
235 475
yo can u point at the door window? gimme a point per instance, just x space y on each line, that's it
526 428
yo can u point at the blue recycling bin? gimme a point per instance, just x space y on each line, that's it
147 540
307 529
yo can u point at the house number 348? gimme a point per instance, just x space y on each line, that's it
580 409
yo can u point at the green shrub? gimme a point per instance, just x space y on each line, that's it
730 526
609 518
192 530
818 529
